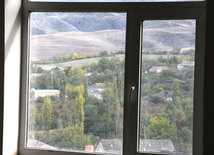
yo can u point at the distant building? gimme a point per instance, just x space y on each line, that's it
166 94
87 72
150 145
89 148
45 92
114 146
185 64
187 51
35 75
157 69
96 90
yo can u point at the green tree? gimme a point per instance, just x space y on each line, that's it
168 75
32 116
67 138
79 112
76 76
95 112
73 91
160 127
42 82
120 86
176 98
46 113
115 116
103 53
91 121
145 89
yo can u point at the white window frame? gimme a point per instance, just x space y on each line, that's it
136 13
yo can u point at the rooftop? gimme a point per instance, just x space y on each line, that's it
147 145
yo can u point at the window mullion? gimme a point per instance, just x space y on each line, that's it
199 86
132 81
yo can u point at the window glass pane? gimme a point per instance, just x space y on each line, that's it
76 81
116 0
167 77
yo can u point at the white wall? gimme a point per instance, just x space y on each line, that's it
12 75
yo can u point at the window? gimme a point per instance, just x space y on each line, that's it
112 78
76 81
167 78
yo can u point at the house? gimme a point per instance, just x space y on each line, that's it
185 64
150 145
166 94
87 72
187 51
96 90
45 92
157 69
89 148
35 75
114 146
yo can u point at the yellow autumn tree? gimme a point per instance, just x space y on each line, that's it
75 55
79 112
46 113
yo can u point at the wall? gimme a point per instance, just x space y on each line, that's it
12 68
1 70
12 75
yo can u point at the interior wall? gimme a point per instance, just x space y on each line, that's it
12 76
1 71
12 67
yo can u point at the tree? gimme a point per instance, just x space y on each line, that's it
32 117
46 113
75 55
146 89
120 86
76 76
159 127
104 64
92 120
115 116
176 104
79 112
36 69
67 138
42 82
144 126
168 75
103 53
73 91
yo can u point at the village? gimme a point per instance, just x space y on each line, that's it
96 83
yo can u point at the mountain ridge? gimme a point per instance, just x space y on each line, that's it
59 34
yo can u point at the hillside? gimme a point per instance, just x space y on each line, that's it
59 34
47 23
60 44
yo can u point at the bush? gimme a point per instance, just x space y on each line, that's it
103 53
67 138
156 99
